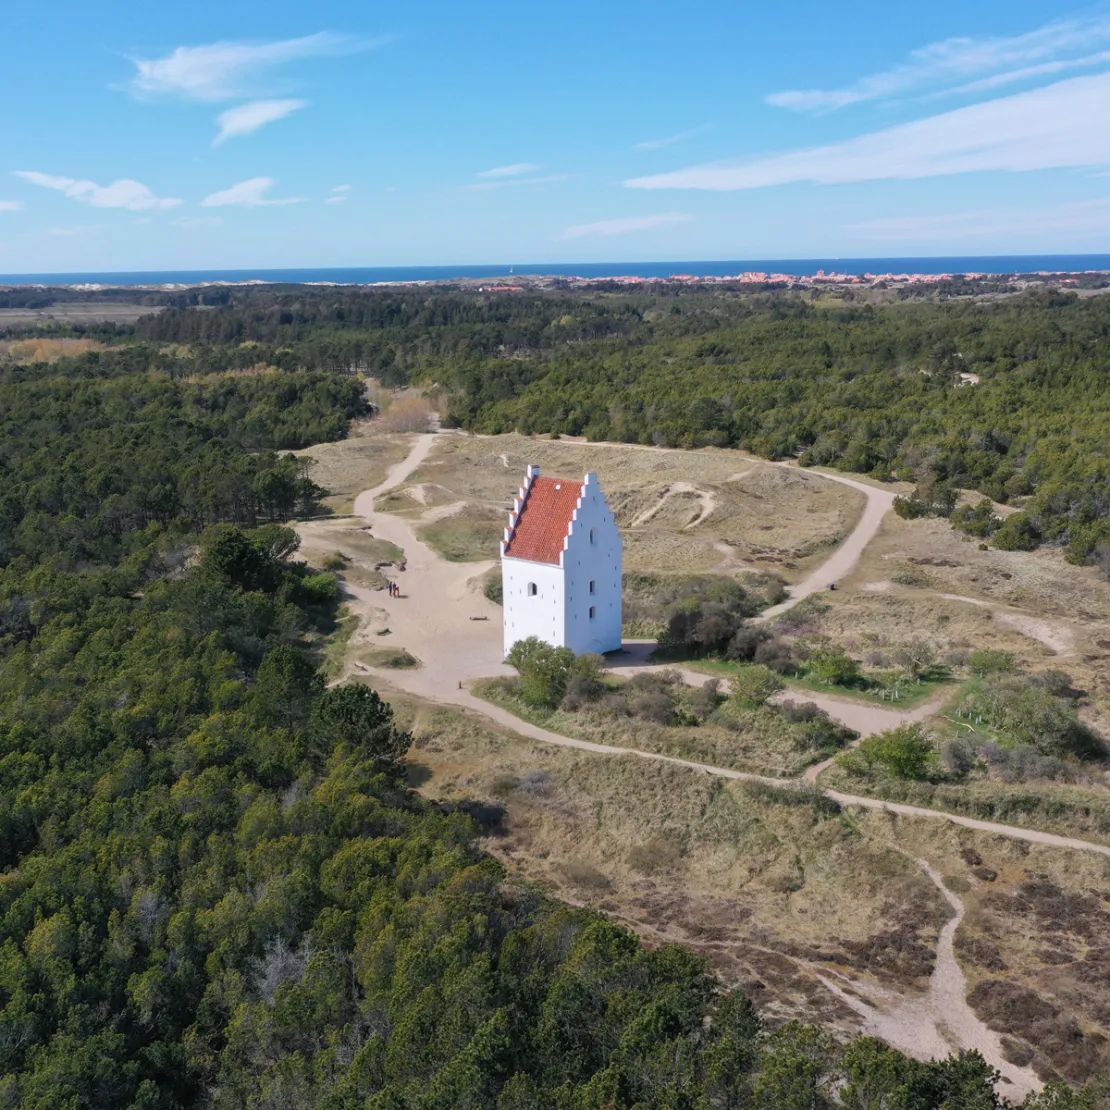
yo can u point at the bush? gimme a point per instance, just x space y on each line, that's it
1017 533
905 752
818 731
991 661
702 703
493 588
834 665
320 589
755 684
978 520
655 706
705 615
777 655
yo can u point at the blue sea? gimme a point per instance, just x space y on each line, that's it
372 275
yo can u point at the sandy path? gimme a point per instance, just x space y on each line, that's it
842 561
939 1022
708 504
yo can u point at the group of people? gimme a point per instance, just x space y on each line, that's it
394 589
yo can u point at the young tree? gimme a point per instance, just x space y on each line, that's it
755 684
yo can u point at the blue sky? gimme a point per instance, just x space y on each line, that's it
250 134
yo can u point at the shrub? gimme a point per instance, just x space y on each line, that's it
656 707
834 665
777 655
978 520
991 661
701 703
493 588
320 589
755 684
1017 533
906 752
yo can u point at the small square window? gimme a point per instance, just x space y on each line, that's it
532 589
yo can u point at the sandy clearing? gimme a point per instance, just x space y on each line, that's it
1058 638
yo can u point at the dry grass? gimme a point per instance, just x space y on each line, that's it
762 743
681 511
77 312
352 465
1034 942
746 875
350 550
470 535
1053 614
47 350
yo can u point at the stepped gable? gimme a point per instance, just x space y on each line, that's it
543 523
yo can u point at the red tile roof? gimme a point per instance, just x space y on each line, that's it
545 520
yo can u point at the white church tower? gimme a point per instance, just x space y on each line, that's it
561 565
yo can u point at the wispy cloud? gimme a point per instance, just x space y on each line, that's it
485 186
10 205
1056 126
248 118
515 170
341 188
341 198
960 61
197 221
233 70
670 140
1079 218
626 225
124 193
248 194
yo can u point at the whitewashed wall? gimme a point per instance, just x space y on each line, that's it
541 615
596 559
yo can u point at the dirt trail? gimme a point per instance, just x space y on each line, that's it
841 562
708 504
937 1023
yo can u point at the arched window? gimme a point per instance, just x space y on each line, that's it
593 535
593 586
532 591
593 612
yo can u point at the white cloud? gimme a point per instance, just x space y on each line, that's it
229 70
341 188
485 186
957 61
125 193
341 198
248 194
1057 126
10 205
515 170
248 118
1080 218
197 221
626 225
670 140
